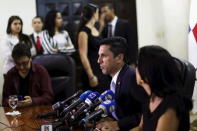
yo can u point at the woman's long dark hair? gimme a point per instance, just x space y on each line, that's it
22 37
159 69
49 23
86 15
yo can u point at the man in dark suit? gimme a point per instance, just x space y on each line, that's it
36 37
111 25
112 57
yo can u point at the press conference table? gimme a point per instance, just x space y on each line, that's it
27 121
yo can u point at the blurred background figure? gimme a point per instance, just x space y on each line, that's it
111 25
36 36
14 36
88 44
56 39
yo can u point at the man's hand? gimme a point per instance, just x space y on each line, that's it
26 102
107 126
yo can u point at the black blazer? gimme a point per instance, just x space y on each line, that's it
32 39
128 96
124 30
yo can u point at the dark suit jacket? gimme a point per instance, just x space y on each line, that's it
127 96
124 30
32 39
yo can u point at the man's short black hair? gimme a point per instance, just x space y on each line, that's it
38 17
118 45
21 50
109 5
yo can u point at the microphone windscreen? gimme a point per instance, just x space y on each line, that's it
107 95
108 106
92 97
85 95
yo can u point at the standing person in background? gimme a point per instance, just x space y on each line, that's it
111 25
166 109
14 36
56 39
36 37
88 44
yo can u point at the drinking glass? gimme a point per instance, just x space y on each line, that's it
13 101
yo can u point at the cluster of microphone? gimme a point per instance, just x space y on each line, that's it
81 108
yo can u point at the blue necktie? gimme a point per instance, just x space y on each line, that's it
113 87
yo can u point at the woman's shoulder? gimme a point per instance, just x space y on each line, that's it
178 103
85 29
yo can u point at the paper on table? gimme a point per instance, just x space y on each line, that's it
13 113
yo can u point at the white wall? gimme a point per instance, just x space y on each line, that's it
164 23
26 9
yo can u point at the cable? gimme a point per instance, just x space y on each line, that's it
17 126
4 124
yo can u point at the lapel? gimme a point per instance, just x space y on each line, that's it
116 31
120 80
32 38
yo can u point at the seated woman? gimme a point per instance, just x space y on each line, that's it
166 109
14 36
55 38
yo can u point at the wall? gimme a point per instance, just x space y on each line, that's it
26 9
165 23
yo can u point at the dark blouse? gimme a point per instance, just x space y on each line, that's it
174 102
93 48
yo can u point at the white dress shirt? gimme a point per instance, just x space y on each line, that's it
113 23
113 81
40 35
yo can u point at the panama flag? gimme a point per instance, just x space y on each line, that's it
192 47
192 44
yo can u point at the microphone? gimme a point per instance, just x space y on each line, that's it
107 95
81 98
59 105
106 107
88 101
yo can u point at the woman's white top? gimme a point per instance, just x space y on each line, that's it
60 41
7 44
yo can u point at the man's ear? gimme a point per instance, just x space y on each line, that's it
120 57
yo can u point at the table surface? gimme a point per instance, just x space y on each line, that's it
27 121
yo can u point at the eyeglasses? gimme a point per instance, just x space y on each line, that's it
24 63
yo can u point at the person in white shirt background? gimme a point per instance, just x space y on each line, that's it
14 36
36 36
56 39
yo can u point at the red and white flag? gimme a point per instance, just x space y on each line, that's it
192 43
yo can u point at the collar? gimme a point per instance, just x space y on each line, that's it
37 34
115 77
114 21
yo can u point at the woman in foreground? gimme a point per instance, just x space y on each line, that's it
166 109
